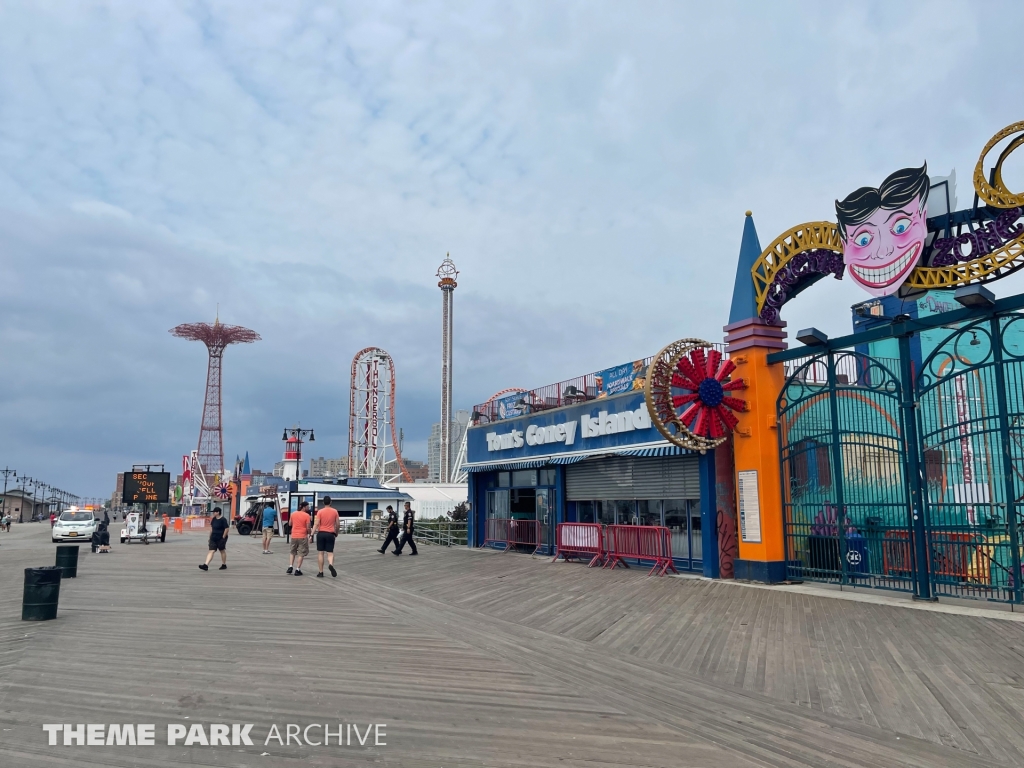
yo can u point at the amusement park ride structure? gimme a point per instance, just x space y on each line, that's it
371 425
216 337
447 274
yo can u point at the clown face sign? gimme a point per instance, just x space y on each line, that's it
883 230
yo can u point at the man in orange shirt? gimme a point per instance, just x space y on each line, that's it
326 529
300 538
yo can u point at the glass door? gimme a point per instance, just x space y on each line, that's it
545 520
497 504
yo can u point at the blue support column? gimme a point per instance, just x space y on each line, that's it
473 511
708 515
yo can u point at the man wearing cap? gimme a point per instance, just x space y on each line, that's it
218 540
392 530
326 529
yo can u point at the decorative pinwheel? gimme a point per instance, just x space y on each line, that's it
687 394
222 491
701 380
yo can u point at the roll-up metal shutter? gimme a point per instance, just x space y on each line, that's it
625 477
681 478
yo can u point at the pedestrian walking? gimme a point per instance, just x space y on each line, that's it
408 528
218 541
299 547
326 530
269 516
392 530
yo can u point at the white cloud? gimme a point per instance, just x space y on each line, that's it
307 166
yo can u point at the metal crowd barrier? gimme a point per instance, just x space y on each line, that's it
512 533
579 540
639 542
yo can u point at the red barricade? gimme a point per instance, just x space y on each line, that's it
579 540
639 542
512 533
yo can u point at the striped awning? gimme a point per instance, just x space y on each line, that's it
569 459
661 450
525 464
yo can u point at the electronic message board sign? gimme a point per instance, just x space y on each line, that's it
146 487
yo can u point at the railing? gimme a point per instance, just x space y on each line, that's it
569 392
444 533
851 369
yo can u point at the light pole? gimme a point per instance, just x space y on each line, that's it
25 483
37 484
7 472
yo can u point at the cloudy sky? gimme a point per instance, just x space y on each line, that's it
306 166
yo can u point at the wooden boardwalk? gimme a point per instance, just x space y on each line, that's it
483 659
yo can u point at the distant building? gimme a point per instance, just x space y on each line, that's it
328 467
279 469
417 469
458 429
115 500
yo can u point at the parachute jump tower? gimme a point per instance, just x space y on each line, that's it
216 337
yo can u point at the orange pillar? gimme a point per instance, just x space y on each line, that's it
756 452
749 340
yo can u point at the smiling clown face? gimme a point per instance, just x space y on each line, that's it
883 230
883 250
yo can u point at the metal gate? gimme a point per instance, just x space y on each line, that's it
908 476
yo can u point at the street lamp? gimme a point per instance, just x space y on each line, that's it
25 483
7 472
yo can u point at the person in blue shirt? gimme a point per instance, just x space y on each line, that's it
269 517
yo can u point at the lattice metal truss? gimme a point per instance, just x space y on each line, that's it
217 337
371 425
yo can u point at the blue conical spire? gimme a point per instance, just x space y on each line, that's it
744 303
245 465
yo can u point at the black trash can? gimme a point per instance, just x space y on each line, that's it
67 559
42 590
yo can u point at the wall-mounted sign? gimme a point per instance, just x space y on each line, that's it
750 506
884 237
146 487
616 421
621 378
588 426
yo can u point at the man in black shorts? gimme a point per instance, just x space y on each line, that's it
326 530
218 540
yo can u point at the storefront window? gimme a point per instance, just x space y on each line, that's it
585 511
523 477
523 505
648 512
504 479
547 477
676 511
625 512
606 512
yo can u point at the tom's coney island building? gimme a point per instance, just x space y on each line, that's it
588 451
